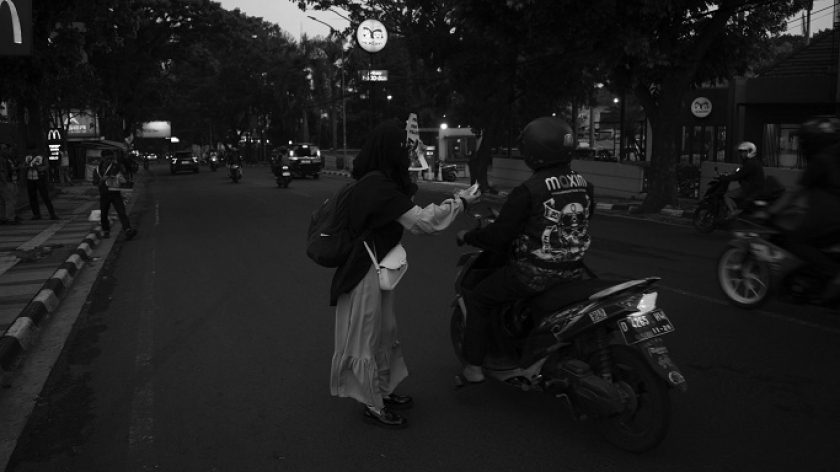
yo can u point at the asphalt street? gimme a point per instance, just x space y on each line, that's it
204 344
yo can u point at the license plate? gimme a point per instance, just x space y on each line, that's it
637 328
186 162
286 174
304 162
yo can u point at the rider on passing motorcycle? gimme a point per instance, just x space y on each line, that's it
819 184
545 222
750 177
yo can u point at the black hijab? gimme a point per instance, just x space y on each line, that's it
385 150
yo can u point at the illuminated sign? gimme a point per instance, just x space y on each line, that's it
372 36
701 107
155 129
15 27
81 125
374 75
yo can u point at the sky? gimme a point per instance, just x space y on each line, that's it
288 16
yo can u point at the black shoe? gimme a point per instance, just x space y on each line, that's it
386 419
130 233
398 401
37 217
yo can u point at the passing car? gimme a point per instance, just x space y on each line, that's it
305 160
183 160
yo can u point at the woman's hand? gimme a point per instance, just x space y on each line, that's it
470 198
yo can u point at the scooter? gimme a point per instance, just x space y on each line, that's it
214 162
283 176
448 172
757 265
712 211
235 172
596 344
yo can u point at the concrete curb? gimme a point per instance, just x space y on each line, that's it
22 335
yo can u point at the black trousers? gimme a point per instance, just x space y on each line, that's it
106 199
35 187
482 302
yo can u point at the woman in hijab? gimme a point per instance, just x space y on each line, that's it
368 364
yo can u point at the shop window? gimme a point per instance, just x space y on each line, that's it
720 144
781 146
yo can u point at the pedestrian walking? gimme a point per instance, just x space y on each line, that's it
64 167
106 177
8 186
37 183
367 363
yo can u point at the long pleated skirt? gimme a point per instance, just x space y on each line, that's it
367 363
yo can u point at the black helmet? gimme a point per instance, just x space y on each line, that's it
818 133
546 142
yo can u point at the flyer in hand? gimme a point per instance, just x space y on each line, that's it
418 149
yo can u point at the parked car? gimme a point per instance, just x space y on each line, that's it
183 160
305 159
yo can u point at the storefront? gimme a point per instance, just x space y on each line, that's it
767 110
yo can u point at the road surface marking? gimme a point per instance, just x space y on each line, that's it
141 433
769 314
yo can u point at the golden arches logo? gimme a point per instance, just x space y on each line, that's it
16 34
54 135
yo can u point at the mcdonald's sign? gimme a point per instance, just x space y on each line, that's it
54 136
15 27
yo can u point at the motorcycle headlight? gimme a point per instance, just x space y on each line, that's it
195 159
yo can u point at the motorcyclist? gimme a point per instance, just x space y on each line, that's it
544 221
233 159
750 177
819 187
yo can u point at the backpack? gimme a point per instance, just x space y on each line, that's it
328 239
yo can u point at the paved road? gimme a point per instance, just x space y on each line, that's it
206 344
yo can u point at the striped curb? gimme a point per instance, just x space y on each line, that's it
23 333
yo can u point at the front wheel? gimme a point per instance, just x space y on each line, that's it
647 407
704 219
744 279
457 325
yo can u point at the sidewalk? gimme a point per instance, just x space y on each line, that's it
612 205
38 262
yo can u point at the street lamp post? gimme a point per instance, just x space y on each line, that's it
389 106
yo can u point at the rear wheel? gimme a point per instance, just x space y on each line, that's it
647 413
744 279
456 333
704 219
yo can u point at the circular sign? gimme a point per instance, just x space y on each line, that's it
372 35
701 107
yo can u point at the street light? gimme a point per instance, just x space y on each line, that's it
389 105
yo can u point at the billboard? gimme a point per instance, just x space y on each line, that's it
156 129
81 124
15 27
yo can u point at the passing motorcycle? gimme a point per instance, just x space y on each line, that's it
713 213
757 265
235 172
283 176
214 162
594 343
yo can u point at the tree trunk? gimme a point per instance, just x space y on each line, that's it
661 174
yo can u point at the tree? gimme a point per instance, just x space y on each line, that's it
663 49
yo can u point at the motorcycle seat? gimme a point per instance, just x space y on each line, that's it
564 295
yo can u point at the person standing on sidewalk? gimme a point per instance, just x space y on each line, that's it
8 187
36 183
105 177
64 169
